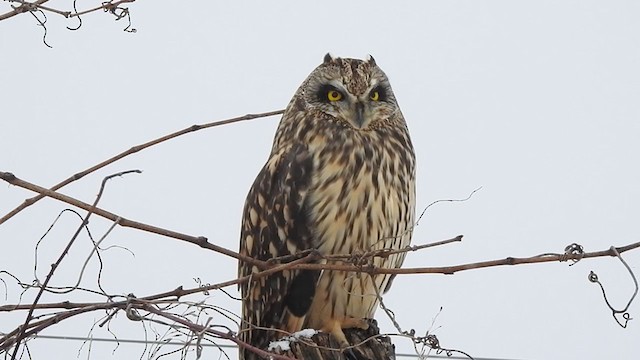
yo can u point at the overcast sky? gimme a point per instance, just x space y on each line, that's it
537 102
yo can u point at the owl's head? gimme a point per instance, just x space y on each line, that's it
355 93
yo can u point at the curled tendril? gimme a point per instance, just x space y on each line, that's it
120 13
432 342
445 200
201 285
593 277
572 250
130 310
41 23
75 10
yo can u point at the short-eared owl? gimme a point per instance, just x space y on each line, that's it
340 179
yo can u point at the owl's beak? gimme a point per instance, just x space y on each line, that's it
359 114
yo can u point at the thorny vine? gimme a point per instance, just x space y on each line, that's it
37 9
167 316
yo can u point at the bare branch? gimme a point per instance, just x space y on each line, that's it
133 150
23 8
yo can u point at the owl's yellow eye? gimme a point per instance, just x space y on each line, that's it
334 95
375 96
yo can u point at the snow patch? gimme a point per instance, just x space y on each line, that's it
306 333
280 345
284 344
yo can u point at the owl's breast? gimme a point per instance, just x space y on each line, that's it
362 196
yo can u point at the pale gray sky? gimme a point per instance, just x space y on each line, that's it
537 102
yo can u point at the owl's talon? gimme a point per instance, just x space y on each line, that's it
352 322
335 327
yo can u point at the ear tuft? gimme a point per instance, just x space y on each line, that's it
329 58
371 60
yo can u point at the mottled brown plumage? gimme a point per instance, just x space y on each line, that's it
340 179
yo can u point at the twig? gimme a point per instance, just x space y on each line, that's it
133 150
369 254
430 340
96 248
199 328
445 200
56 11
55 265
386 252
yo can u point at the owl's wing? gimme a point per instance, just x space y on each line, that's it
275 223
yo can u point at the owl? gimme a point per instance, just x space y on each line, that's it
340 179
